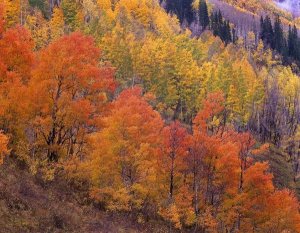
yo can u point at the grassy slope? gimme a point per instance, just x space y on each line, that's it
29 205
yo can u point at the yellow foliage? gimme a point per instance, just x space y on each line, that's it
104 4
39 28
171 215
13 12
114 200
57 24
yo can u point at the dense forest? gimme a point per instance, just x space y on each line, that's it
272 32
115 108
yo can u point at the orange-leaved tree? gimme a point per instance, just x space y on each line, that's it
174 153
68 94
232 192
264 208
16 61
213 163
123 164
177 201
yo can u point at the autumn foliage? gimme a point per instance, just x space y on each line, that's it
68 94
128 146
3 147
208 178
145 119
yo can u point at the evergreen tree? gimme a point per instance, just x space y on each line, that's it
279 40
203 14
296 39
221 27
173 6
291 42
182 8
274 38
234 36
215 23
219 17
293 50
188 13
227 32
267 33
262 33
285 52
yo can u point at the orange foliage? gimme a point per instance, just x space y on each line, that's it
16 52
16 61
174 152
68 93
211 107
124 160
58 101
3 146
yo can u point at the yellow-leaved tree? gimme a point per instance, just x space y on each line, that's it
57 24
12 12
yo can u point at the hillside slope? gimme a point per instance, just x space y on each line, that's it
111 105
28 204
292 6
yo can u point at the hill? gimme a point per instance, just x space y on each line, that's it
31 204
115 117
246 15
262 7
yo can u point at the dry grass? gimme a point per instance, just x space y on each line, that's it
28 204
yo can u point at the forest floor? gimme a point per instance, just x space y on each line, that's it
27 204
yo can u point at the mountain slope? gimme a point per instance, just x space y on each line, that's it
111 105
29 204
